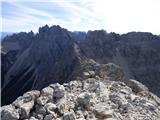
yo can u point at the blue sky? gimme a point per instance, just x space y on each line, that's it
118 16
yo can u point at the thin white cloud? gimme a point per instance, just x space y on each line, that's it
28 16
119 16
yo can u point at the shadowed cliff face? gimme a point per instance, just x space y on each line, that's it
55 55
52 57
136 52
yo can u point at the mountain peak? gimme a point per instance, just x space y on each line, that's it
53 29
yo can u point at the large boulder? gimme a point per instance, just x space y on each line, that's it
26 103
9 112
43 100
136 86
50 107
59 90
102 111
47 91
40 110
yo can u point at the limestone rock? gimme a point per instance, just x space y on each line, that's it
89 74
86 74
59 90
42 100
47 91
39 116
68 116
103 114
9 113
83 100
136 86
33 118
61 108
50 107
112 72
40 109
49 117
26 102
25 109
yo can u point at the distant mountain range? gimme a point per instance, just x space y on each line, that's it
4 34
54 54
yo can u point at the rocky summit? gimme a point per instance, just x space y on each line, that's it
93 98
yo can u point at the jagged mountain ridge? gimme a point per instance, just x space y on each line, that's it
136 52
40 62
54 55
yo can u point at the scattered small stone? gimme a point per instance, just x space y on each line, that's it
86 74
49 117
68 116
42 100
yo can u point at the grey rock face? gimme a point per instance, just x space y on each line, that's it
132 52
103 114
55 55
7 60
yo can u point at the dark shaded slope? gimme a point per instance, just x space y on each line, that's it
100 46
143 57
51 58
14 89
12 47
